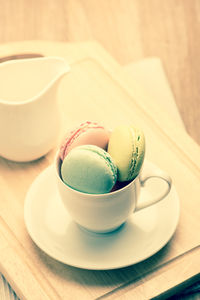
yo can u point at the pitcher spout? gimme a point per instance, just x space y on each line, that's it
57 68
24 80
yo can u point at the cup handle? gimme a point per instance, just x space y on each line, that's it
153 172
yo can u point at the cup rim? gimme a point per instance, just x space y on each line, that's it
57 161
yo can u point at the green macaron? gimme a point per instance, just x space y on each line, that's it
89 169
127 148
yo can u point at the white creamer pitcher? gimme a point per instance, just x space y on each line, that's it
29 112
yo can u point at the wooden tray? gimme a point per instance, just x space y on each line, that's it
98 89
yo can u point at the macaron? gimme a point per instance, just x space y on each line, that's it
86 133
89 169
127 148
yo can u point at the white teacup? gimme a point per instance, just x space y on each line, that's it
103 213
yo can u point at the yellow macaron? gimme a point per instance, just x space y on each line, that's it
127 148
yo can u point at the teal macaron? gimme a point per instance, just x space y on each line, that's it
89 169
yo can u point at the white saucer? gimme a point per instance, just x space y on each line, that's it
52 229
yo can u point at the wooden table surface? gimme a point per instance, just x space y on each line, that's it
128 29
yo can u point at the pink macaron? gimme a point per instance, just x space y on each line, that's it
87 133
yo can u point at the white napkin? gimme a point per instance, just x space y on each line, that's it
150 74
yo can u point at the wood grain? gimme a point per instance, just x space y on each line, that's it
128 29
167 277
47 277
